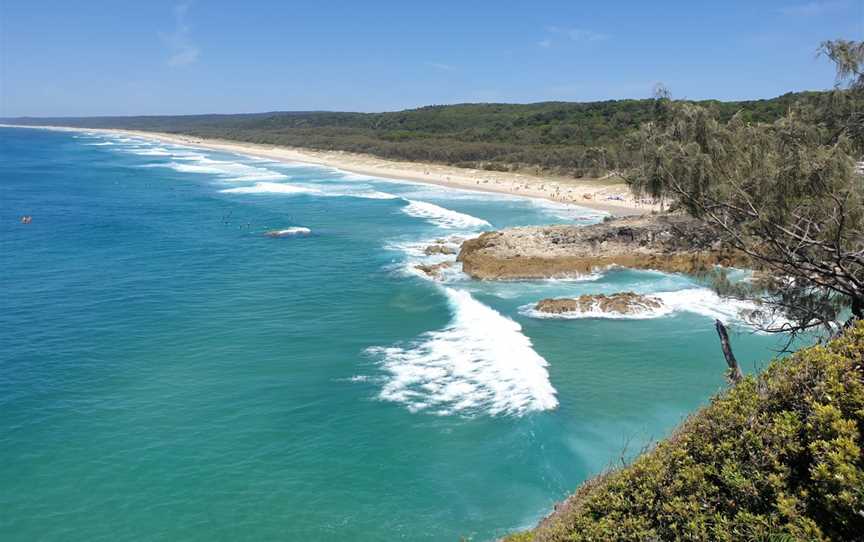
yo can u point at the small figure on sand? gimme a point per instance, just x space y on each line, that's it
26 219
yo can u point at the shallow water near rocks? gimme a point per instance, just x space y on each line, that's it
170 372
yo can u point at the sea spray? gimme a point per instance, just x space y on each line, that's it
270 188
481 363
233 171
702 301
442 217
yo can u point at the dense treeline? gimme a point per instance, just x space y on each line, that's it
571 139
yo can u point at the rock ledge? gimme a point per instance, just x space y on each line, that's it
671 243
624 303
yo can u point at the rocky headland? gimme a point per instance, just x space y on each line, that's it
671 243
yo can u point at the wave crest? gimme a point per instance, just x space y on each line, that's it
444 218
289 232
480 363
186 162
270 188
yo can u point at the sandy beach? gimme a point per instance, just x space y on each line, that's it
610 195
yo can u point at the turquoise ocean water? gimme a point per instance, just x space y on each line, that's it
169 372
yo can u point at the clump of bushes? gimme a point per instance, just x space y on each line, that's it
777 457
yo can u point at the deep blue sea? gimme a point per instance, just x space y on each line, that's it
170 372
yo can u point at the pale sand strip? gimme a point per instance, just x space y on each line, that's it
591 193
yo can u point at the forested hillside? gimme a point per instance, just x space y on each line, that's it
570 139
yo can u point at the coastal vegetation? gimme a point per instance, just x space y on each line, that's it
777 457
786 194
560 138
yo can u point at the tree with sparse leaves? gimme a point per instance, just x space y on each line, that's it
786 194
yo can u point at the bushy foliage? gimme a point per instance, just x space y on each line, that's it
778 457
786 193
568 139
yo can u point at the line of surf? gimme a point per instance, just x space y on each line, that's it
480 363
270 153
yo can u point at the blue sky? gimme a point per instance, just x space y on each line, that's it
103 57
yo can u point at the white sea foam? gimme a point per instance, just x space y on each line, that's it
415 253
150 152
373 194
351 191
233 171
569 212
355 176
100 144
694 300
270 188
187 155
640 313
262 160
707 303
480 363
412 249
288 232
444 218
587 277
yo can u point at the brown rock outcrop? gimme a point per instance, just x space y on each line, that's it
670 243
625 303
439 249
433 270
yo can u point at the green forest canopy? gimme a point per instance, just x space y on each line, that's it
563 138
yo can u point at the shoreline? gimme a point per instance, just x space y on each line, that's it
591 193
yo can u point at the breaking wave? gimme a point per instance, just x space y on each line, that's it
288 232
157 151
234 171
480 363
444 218
270 188
569 212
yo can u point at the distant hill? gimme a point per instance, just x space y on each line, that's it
570 139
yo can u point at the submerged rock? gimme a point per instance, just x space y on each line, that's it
624 303
439 249
434 270
672 243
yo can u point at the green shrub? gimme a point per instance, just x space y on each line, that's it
778 457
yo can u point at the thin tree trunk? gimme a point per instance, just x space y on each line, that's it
858 308
734 370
